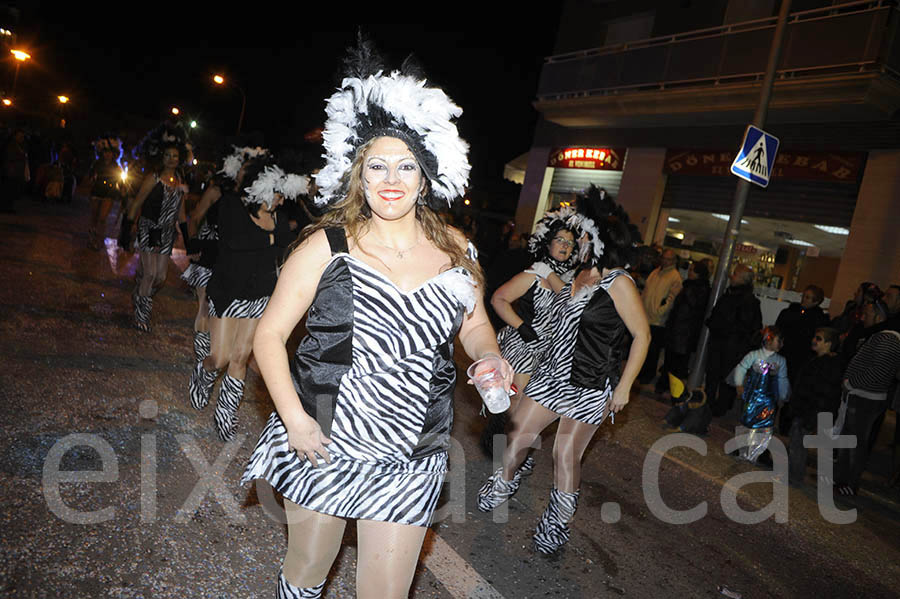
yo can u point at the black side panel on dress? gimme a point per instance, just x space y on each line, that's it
325 354
152 206
438 421
598 344
525 304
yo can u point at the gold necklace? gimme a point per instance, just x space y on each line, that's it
400 253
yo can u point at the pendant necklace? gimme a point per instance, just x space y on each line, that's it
400 253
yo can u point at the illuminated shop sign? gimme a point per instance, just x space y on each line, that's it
821 166
601 159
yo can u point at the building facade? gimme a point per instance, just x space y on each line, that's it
651 100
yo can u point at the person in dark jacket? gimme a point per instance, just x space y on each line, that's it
817 388
734 322
686 319
798 322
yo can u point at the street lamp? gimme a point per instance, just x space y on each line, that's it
175 110
220 80
63 99
7 102
193 124
20 56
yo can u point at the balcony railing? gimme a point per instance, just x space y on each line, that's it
855 37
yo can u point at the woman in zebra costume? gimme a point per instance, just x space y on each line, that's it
528 333
253 236
580 379
364 410
206 240
159 202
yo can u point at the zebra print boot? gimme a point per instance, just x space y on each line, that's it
201 345
288 591
230 394
496 490
201 386
527 466
143 307
552 530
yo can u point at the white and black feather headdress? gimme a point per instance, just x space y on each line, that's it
231 164
552 222
371 104
271 180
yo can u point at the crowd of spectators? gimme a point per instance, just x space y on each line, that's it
847 365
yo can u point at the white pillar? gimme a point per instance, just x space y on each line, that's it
873 246
642 187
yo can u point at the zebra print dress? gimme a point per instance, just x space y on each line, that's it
148 239
376 371
523 355
550 385
197 275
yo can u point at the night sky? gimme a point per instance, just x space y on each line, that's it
141 59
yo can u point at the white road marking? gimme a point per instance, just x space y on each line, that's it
456 574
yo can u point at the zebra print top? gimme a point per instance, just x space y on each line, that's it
376 367
523 355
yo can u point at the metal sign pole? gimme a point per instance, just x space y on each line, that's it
740 199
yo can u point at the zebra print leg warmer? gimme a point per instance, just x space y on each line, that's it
143 307
201 345
201 386
496 490
230 394
527 466
552 531
288 591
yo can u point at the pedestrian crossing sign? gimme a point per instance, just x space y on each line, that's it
757 157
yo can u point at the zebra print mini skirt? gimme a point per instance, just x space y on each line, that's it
522 355
404 493
240 308
196 276
578 403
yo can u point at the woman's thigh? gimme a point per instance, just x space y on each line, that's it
388 554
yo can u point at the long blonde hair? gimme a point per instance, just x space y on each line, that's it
352 213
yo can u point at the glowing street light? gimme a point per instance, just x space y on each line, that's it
175 111
220 80
193 124
20 56
63 99
7 102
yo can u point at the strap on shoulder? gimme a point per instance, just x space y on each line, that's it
337 239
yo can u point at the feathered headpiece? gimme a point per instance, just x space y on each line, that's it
551 223
371 104
272 180
150 148
605 228
232 163
108 142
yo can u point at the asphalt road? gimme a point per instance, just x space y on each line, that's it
158 510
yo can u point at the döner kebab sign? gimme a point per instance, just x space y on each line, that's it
821 166
606 159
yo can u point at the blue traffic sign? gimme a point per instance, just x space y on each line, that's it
756 158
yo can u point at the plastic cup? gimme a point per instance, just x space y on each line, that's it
488 378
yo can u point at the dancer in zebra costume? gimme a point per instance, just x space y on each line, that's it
580 379
206 240
253 235
159 202
364 411
528 333
106 186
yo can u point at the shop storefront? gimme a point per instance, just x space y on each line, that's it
571 170
793 232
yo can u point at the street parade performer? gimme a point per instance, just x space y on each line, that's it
364 409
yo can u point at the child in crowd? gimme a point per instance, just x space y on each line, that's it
761 380
817 389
